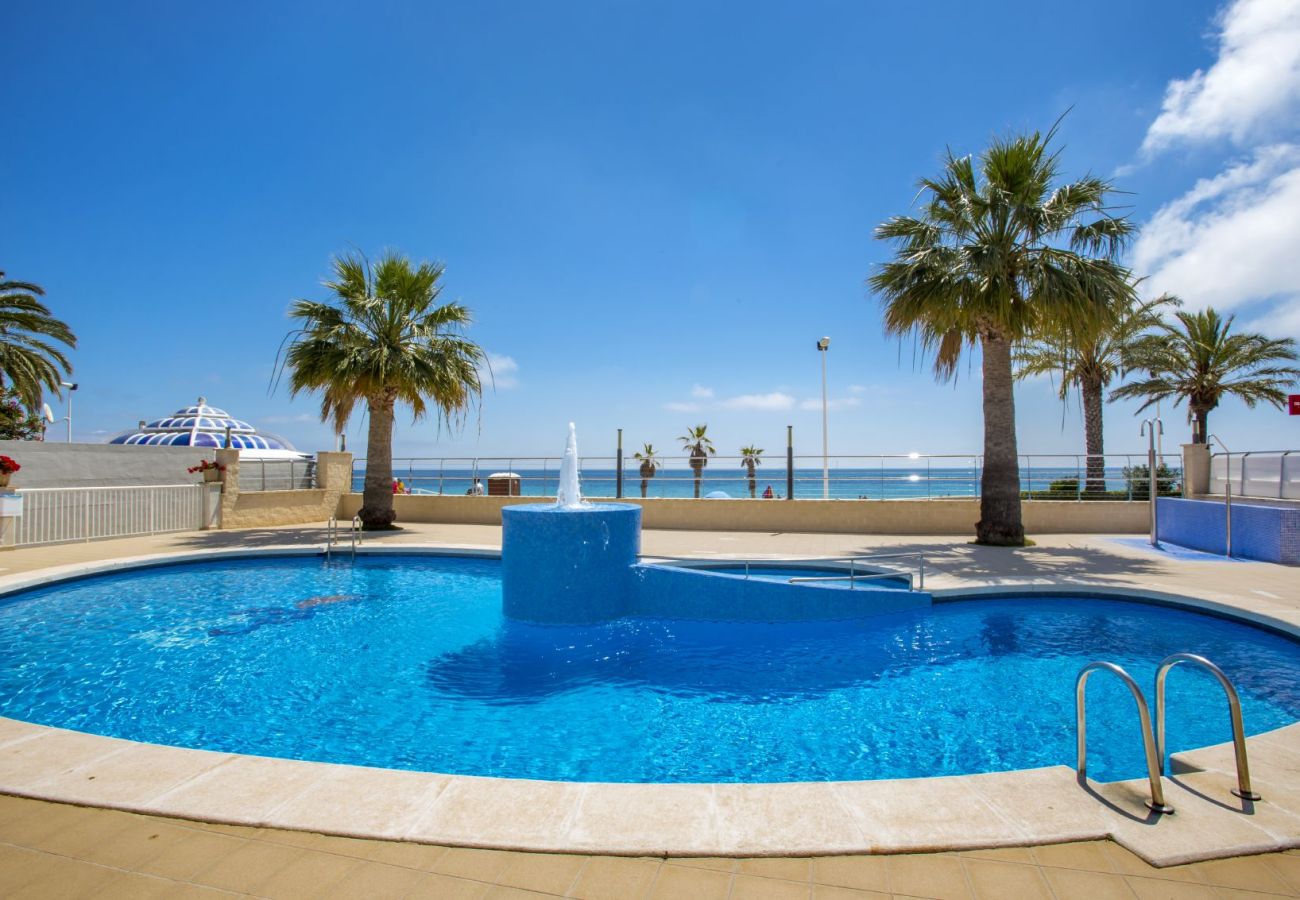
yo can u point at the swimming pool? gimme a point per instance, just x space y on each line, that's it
407 662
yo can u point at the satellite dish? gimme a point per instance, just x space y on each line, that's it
47 412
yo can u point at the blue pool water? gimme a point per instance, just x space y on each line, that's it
785 573
407 662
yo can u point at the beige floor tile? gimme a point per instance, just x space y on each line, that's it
20 866
131 886
479 865
941 877
134 842
829 892
1245 873
783 867
1288 867
377 881
1003 854
445 887
1076 884
403 853
994 880
675 883
73 880
717 863
615 878
180 860
307 875
1154 889
864 873
1090 856
247 867
501 892
752 887
1126 862
550 873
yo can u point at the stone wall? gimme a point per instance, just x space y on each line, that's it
262 509
924 517
47 464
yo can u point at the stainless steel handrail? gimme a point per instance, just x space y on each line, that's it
355 534
331 534
1243 789
1157 802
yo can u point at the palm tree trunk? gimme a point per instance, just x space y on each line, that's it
1000 523
699 473
1094 444
1200 424
644 483
377 498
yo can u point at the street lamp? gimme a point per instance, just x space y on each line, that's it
71 386
822 346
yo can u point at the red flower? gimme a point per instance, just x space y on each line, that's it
7 465
203 466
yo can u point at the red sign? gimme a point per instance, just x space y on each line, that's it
1293 404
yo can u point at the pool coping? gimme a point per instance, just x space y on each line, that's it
1017 808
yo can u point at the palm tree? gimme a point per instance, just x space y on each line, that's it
30 360
696 441
1196 358
381 339
1088 355
998 253
650 461
749 458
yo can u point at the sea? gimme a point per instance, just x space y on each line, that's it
874 483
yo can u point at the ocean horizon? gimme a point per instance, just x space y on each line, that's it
896 483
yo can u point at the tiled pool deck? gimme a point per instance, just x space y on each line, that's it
90 852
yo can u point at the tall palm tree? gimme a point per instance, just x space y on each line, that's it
999 252
1196 358
30 359
381 339
650 461
696 441
749 458
1088 355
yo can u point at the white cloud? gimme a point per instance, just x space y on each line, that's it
701 393
1251 90
501 371
773 401
1232 239
857 389
682 407
833 403
299 419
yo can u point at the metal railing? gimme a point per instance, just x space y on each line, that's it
277 474
1120 476
853 574
1243 789
64 515
1262 474
1154 766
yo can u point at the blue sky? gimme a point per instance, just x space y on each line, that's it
654 209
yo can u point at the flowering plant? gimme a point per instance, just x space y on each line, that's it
203 466
7 465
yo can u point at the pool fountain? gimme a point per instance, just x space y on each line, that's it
569 562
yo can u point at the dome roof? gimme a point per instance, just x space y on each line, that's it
201 425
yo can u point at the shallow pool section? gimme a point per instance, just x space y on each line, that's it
407 662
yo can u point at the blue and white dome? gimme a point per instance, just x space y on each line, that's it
201 425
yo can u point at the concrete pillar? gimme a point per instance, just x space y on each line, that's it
334 471
229 484
1196 469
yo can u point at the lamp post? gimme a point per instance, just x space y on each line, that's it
71 386
822 346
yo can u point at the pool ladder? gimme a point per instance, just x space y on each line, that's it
332 535
1153 740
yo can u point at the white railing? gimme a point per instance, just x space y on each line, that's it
1270 474
277 474
62 515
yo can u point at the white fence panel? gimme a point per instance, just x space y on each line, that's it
63 515
1266 475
